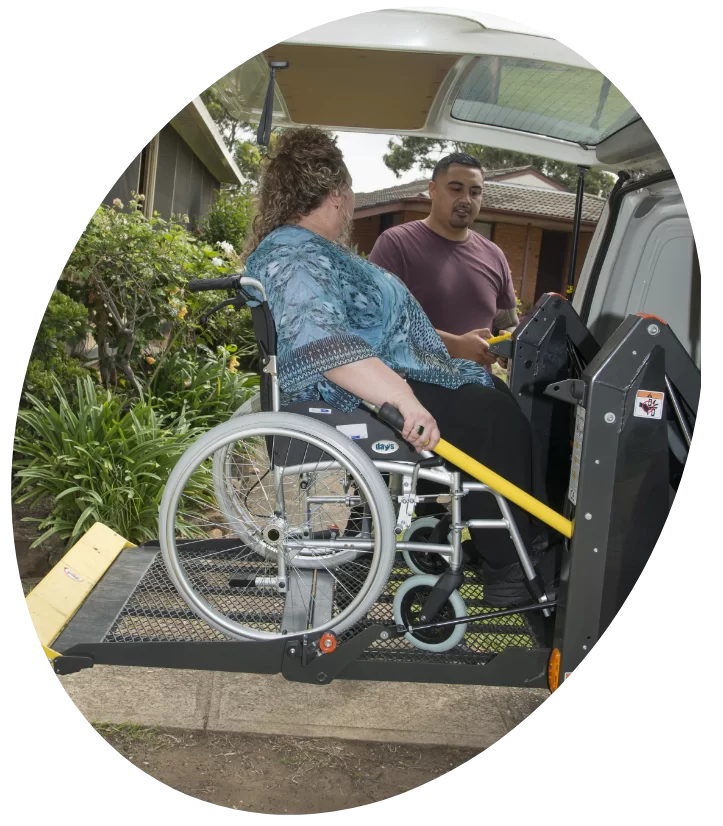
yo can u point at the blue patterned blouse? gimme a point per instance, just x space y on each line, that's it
332 307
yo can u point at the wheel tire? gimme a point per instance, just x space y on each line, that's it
416 589
341 450
420 562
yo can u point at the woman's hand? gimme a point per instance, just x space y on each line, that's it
416 416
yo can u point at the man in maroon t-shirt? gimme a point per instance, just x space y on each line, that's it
461 279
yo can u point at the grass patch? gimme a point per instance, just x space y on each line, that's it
123 736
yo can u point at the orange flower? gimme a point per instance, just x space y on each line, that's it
182 312
150 360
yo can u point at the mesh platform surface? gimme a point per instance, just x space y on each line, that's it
155 612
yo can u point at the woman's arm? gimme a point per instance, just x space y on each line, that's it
313 335
370 379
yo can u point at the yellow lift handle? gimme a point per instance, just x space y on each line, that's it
507 489
497 339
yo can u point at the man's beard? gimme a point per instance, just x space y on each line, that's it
346 231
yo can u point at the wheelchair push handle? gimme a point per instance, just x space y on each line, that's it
198 285
389 414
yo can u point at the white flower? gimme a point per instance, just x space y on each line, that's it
118 203
217 262
226 247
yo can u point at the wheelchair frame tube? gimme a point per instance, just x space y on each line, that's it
455 563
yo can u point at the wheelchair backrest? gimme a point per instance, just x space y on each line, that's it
265 335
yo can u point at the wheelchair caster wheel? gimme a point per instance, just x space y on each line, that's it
408 603
424 562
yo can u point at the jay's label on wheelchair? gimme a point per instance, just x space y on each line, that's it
385 447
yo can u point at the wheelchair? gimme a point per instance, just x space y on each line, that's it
311 510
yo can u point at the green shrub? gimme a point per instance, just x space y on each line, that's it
131 272
42 374
228 328
202 386
98 462
229 218
65 322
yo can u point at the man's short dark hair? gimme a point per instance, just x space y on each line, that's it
462 158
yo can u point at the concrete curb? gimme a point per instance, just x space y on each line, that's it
409 713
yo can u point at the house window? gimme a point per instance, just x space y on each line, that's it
483 228
389 219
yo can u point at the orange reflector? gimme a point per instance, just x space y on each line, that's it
553 669
327 643
647 315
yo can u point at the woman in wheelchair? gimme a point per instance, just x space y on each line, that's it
345 326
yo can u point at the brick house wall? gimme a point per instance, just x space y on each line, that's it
512 239
409 215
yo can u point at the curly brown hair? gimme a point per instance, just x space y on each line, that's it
306 166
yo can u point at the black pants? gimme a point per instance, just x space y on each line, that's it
487 424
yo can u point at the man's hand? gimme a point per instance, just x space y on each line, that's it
471 346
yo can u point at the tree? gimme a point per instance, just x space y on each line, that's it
229 127
249 156
406 152
240 137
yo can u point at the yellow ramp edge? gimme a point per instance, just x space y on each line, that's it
56 598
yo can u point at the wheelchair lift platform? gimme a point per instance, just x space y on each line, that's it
134 616
616 421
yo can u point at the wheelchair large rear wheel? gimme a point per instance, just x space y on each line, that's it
248 594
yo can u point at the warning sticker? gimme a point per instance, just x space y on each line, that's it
649 404
354 431
576 454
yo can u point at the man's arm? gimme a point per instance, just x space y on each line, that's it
449 341
471 346
506 320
